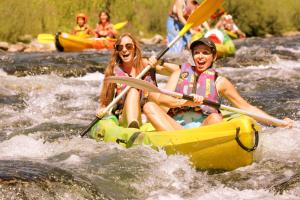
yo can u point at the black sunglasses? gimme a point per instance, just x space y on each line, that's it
128 46
195 3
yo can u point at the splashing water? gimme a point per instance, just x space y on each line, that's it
42 156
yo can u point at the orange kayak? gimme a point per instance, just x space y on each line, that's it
67 42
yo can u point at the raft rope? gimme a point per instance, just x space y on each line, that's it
130 141
241 144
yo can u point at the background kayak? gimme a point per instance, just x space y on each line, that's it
67 42
46 38
224 44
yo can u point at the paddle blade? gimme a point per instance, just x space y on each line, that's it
46 38
120 25
206 9
133 82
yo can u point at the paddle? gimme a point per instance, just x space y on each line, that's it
144 85
120 25
46 38
202 12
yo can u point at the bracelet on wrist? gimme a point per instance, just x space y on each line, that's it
161 62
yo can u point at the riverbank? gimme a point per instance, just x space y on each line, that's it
252 51
31 44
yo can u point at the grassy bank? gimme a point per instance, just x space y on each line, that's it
19 17
259 17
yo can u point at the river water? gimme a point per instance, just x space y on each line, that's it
46 99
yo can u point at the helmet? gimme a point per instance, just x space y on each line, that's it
82 15
206 42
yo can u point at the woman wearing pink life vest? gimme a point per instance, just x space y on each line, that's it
126 60
104 28
201 81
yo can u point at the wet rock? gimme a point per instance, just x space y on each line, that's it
32 180
19 47
13 99
35 46
25 38
63 64
154 40
286 54
292 33
287 184
254 56
4 46
249 57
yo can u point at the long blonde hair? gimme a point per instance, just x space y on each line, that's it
108 89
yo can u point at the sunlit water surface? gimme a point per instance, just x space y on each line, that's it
42 156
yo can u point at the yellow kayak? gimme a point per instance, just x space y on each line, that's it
68 42
224 146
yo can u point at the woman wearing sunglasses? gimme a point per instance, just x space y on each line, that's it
126 60
200 80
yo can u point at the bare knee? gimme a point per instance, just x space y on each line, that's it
133 92
150 107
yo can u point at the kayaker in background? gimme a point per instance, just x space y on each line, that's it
126 60
200 80
180 11
200 30
82 28
104 28
227 24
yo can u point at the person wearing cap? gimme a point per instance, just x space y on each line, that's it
178 15
200 80
82 28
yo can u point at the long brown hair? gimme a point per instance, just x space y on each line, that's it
107 14
108 89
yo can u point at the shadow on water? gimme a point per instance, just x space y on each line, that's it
63 64
33 180
286 184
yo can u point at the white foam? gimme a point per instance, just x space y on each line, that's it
281 143
96 76
22 146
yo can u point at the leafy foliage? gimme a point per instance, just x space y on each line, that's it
146 17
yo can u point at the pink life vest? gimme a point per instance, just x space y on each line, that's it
203 85
107 27
150 77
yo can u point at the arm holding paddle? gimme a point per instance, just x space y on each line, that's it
167 69
153 107
203 79
227 90
202 13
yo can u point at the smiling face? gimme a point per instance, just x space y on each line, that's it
126 53
103 17
203 57
80 21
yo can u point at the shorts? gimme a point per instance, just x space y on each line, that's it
190 119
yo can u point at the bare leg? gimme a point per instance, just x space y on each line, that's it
160 119
212 119
132 108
